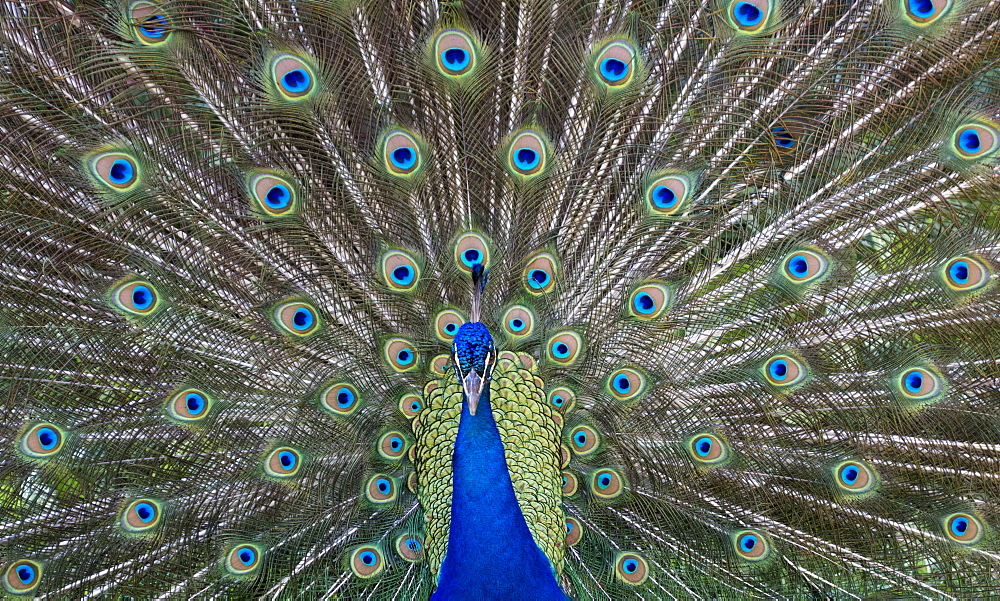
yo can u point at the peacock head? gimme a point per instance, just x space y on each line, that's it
474 356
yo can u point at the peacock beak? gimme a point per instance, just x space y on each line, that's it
472 385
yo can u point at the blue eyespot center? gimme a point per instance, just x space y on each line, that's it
778 369
630 566
471 257
703 446
302 319
142 297
403 275
914 381
538 278
404 157
413 544
644 303
664 197
451 328
368 558
959 272
47 437
415 406
247 556
799 265
560 350
922 8
395 442
383 485
748 542
26 574
145 512
959 526
850 475
969 141
278 197
604 481
287 459
622 384
613 69
526 159
296 80
558 401
455 59
580 439
194 402
345 397
747 14
569 525
121 171
781 136
517 324
404 357
153 26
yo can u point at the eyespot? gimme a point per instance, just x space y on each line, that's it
749 16
401 153
22 576
708 449
565 347
411 481
626 384
527 154
803 266
584 440
439 364
615 64
410 547
854 477
410 405
447 323
540 274
340 398
454 53
366 561
570 484
116 170
574 531
963 528
965 273
243 559
606 483
283 462
392 445
189 405
924 12
152 27
631 568
782 371
400 271
562 398
976 140
782 137
751 545
141 515
297 318
649 301
667 194
518 321
381 489
42 441
272 196
400 355
920 384
470 249
136 297
293 78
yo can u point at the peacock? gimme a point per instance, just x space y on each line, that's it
500 299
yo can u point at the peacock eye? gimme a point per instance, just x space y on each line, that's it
188 405
526 153
562 398
366 561
783 139
22 577
283 462
392 445
292 77
410 547
402 153
976 140
565 348
42 441
854 477
750 16
574 531
410 405
606 483
920 384
631 568
751 545
708 449
649 301
381 488
297 318
272 195
965 273
243 559
470 249
667 194
540 274
783 371
626 384
570 484
584 440
454 53
116 170
804 266
400 354
141 515
447 324
400 271
151 25
963 528
615 64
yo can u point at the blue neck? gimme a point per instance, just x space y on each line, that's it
491 554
